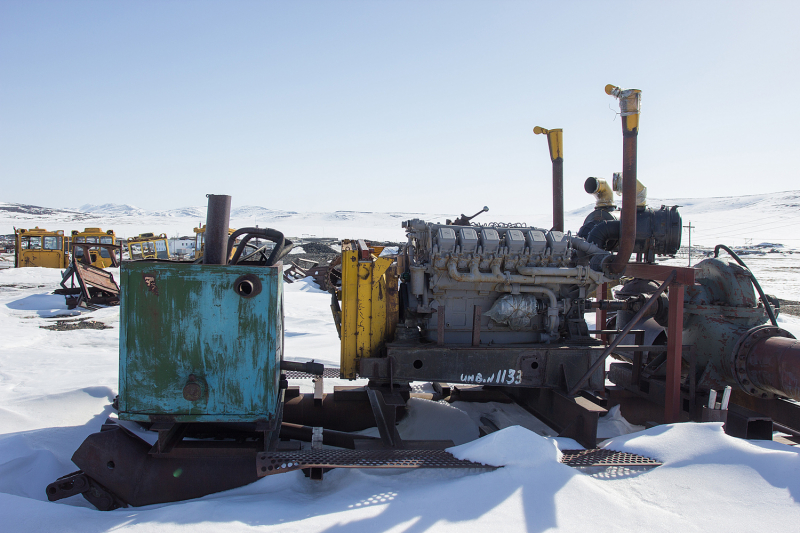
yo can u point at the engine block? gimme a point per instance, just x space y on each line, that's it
515 284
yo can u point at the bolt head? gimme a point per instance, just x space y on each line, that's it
192 391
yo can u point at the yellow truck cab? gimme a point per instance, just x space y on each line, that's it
99 257
148 246
40 248
200 243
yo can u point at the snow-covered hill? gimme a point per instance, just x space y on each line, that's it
735 220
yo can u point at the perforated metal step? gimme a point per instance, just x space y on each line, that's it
278 462
329 372
589 458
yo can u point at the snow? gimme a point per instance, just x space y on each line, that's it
56 388
734 221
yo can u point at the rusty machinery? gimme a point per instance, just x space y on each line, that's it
200 352
498 307
501 306
203 397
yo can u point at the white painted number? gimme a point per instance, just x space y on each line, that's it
507 376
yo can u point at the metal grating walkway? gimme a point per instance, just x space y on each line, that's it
589 458
270 463
329 372
278 462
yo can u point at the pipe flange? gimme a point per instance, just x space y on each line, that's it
742 350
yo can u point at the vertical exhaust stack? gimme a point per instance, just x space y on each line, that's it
217 223
555 142
629 106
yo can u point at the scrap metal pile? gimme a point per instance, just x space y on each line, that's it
485 312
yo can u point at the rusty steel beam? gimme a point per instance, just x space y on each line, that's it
558 194
683 275
672 399
575 418
625 331
783 412
337 411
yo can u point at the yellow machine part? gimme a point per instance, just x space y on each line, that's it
555 141
39 248
148 246
200 241
369 304
96 235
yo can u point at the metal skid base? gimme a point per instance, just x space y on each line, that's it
118 469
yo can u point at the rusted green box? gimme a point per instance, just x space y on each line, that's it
200 343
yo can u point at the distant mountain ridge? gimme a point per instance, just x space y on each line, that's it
36 210
786 200
766 217
112 209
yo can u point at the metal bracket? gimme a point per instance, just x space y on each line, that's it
385 419
575 418
169 434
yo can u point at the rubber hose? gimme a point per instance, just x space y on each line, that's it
282 245
604 234
767 305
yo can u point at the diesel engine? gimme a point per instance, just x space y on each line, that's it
505 284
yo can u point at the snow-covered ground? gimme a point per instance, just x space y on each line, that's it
56 388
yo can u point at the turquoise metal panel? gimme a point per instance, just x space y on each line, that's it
185 323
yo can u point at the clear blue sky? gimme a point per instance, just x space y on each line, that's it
389 105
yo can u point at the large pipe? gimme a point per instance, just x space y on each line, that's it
555 142
600 190
773 365
552 275
641 190
629 105
217 224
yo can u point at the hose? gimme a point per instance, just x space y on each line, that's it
761 294
282 245
604 234
598 256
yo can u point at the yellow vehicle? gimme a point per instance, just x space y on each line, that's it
148 246
200 244
99 257
40 248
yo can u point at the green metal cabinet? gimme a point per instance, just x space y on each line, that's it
200 343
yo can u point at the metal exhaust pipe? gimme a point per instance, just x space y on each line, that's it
600 190
217 224
555 142
629 105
